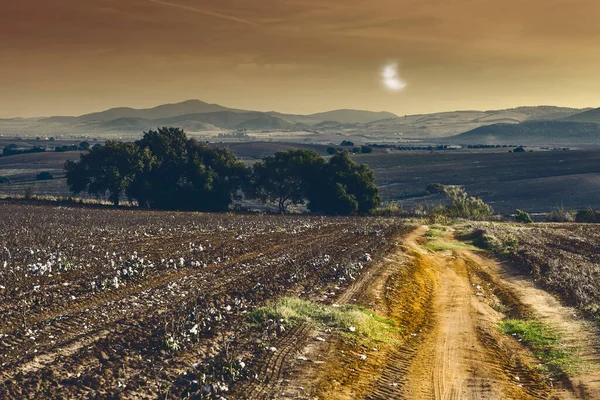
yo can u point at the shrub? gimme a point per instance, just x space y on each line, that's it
523 217
588 216
560 215
501 243
44 176
435 188
28 193
465 206
4 179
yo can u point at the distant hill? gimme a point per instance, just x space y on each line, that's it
360 125
162 111
201 121
586 116
352 116
563 133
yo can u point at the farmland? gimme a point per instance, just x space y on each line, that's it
112 303
105 303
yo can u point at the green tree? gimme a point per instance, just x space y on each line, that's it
211 178
284 177
523 217
44 176
84 146
343 187
156 185
185 174
108 169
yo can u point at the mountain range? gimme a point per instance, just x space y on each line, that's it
483 127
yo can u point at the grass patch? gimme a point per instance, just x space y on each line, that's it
436 244
434 232
349 320
544 342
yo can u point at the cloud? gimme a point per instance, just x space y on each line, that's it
204 12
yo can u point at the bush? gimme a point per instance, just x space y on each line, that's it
435 188
347 143
560 215
465 206
501 243
331 150
44 176
4 179
523 217
588 216
28 193
391 209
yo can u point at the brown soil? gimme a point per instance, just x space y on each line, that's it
447 306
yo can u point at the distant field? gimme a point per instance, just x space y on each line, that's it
535 182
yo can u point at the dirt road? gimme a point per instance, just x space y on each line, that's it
447 301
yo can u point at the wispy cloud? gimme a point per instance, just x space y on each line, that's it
204 12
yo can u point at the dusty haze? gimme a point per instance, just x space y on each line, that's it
302 56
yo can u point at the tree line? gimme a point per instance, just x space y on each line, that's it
166 170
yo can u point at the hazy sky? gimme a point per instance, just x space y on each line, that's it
66 57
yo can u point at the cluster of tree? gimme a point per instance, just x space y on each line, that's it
12 149
337 187
44 176
489 146
166 170
83 146
355 150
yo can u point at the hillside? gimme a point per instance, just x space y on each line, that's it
586 116
562 133
359 125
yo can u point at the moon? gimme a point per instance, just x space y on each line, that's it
390 78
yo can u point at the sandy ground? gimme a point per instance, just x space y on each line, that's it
447 306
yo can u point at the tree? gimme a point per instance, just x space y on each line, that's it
107 169
156 185
366 149
284 178
331 150
347 143
210 179
84 146
343 187
44 176
523 217
185 174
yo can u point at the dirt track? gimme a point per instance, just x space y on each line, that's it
447 305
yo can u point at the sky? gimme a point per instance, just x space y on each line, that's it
69 57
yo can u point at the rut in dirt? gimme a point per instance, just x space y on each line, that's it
448 305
